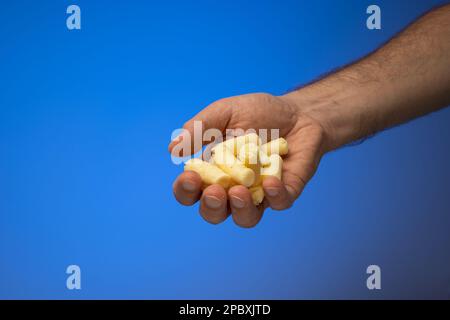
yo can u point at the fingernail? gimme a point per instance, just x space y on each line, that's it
189 186
272 192
237 202
212 202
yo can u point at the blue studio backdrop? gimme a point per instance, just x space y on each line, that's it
85 175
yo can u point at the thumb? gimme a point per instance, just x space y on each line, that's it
215 116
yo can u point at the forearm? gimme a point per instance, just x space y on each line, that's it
406 78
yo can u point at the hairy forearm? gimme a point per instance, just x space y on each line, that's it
406 78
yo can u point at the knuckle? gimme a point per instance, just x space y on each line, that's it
183 197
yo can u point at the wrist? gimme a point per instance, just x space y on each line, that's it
346 111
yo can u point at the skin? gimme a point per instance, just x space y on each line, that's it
406 78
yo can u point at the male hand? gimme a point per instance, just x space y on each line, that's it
406 78
305 137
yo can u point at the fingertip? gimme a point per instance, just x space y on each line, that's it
171 146
276 194
182 145
273 187
240 197
174 142
190 181
250 219
216 191
213 204
245 213
187 188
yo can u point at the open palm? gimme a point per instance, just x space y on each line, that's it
304 135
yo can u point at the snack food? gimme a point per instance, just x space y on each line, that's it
243 161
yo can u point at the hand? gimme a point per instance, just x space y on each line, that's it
305 136
405 79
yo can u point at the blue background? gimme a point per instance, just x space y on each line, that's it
85 176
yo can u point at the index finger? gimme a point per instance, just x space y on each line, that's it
214 117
